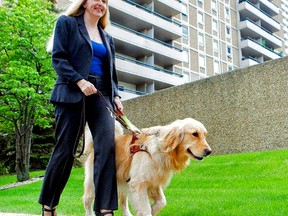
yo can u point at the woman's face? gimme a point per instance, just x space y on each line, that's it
96 8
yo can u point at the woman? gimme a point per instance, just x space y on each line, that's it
83 56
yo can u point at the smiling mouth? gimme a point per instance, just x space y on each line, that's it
194 156
98 9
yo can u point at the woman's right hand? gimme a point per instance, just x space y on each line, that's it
86 87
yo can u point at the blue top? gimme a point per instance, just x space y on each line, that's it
99 58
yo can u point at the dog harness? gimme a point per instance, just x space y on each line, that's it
134 148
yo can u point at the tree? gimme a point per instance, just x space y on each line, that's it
26 75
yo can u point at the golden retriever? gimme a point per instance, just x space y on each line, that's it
141 176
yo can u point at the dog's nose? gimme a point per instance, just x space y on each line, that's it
208 151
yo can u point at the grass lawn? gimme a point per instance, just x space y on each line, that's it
237 184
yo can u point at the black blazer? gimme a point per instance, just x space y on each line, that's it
72 57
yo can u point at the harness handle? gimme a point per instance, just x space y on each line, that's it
119 116
80 130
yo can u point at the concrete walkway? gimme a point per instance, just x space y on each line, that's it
12 185
15 214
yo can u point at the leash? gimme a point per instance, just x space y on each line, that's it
119 116
82 126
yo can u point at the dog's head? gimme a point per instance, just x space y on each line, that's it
186 139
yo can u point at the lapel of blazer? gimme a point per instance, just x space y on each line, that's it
83 30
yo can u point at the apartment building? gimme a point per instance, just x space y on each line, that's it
213 38
165 43
257 26
284 18
144 33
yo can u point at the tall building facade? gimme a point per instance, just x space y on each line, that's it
165 43
213 38
258 26
144 33
284 22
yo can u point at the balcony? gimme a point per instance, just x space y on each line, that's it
285 8
127 93
250 47
168 8
137 73
249 61
251 29
267 6
137 45
139 18
249 10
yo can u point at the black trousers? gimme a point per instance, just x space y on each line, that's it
68 122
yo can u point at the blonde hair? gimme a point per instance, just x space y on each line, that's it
75 9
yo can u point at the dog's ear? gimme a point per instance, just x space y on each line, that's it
172 139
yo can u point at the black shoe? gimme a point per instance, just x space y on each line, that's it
103 213
48 210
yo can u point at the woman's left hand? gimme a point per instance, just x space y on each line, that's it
118 104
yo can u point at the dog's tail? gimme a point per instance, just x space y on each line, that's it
88 140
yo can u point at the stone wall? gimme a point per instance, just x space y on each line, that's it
244 110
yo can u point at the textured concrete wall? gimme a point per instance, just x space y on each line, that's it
245 110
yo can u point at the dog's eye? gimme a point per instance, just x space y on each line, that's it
195 134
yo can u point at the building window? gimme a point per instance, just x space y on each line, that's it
200 17
227 13
228 32
214 5
201 40
215 46
217 67
200 3
185 55
202 64
184 9
184 31
229 51
215 26
186 77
